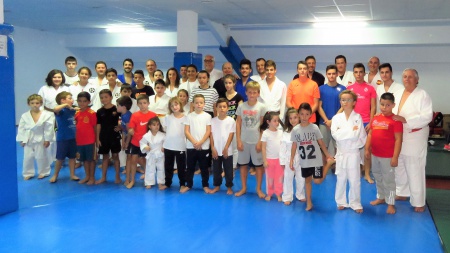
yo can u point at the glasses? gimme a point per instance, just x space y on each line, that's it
208 61
347 100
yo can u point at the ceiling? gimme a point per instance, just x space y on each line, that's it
92 16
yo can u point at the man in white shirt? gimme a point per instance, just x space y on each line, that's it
389 85
344 77
273 90
100 69
151 67
71 74
214 74
373 77
261 69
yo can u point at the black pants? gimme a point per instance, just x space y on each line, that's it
203 159
227 167
169 158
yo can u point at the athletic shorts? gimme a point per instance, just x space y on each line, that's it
249 152
112 145
66 148
86 152
135 150
316 172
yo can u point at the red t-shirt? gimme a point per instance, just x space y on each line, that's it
86 123
383 135
139 122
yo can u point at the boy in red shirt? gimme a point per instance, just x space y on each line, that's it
137 129
385 142
86 119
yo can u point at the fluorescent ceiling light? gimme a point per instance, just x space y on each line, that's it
125 29
337 24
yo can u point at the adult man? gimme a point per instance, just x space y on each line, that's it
344 77
389 85
415 111
312 73
151 67
100 69
71 75
303 90
273 90
127 76
219 85
214 74
245 67
373 77
183 74
261 69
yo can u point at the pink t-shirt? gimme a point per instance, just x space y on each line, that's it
365 93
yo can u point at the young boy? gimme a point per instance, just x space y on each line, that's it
348 130
308 139
86 122
66 145
197 130
111 76
223 128
123 107
36 130
248 137
140 87
384 141
137 128
108 138
71 75
126 91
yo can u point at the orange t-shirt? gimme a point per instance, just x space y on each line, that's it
303 90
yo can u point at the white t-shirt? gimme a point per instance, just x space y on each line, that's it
214 76
175 138
197 127
273 142
221 130
48 94
71 79
134 107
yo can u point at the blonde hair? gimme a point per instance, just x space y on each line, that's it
349 92
175 100
252 85
35 97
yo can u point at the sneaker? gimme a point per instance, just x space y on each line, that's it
447 147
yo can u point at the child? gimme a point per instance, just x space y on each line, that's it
36 130
384 141
84 73
234 101
86 121
71 76
152 144
175 144
222 132
271 141
249 117
140 87
159 103
183 96
291 120
108 138
111 76
197 130
123 107
308 139
158 75
125 91
137 128
348 130
207 91
66 145
55 84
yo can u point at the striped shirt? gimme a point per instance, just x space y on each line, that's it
210 94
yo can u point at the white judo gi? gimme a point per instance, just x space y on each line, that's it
275 99
348 159
154 157
410 173
285 159
33 135
347 80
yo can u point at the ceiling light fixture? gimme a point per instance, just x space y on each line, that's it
338 24
125 29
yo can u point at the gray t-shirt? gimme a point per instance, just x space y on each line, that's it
308 147
250 116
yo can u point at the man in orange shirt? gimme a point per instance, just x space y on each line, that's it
303 90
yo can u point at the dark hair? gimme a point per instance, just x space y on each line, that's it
162 73
177 78
61 96
388 96
359 65
140 72
302 62
105 91
261 59
129 60
310 57
126 86
84 94
340 57
155 120
183 66
85 68
287 124
193 66
125 101
231 77
160 82
268 117
385 65
305 106
270 63
100 62
51 74
111 70
245 62
332 66
222 100
183 90
204 72
70 58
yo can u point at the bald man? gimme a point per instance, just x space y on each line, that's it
219 85
373 77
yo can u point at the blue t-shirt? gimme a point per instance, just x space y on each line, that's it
240 88
65 121
330 99
125 119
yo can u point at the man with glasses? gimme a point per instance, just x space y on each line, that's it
214 74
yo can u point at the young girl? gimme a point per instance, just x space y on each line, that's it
308 139
84 73
183 96
158 75
172 82
271 141
290 121
36 130
234 100
55 84
159 103
175 144
152 145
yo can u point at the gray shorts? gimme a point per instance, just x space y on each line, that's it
249 152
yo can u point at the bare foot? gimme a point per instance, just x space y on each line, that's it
279 199
252 171
53 179
400 198
319 180
118 181
130 185
74 178
90 182
229 191
162 187
100 181
419 209
126 183
358 211
148 187
223 174
240 193
267 198
139 170
42 176
369 179
309 207
206 190
27 177
377 202
390 209
260 194
215 189
142 177
287 203
341 207
175 171
197 172
84 180
124 172
302 200
184 189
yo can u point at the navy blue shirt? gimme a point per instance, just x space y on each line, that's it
65 120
